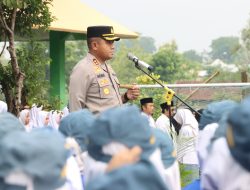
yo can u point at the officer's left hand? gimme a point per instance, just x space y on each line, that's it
133 93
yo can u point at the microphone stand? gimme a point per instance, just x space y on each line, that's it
169 94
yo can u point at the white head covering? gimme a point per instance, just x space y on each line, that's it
65 111
41 118
53 119
187 138
34 115
185 118
3 107
23 115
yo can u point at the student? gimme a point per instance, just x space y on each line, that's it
228 164
75 127
3 107
168 156
116 130
163 121
187 143
25 119
147 109
139 176
34 160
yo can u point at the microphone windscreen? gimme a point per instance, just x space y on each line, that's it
130 56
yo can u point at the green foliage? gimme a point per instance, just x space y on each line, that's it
156 93
245 35
193 56
123 67
184 174
147 44
6 75
34 59
224 48
74 52
166 61
172 66
30 13
243 54
14 3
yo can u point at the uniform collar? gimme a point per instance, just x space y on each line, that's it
92 58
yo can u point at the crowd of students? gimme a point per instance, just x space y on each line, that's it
124 148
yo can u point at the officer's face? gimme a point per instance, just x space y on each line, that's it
105 49
148 108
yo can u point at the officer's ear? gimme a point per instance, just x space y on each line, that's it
92 43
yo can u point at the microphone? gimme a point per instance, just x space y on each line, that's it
139 62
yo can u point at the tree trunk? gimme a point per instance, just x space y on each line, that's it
18 75
244 78
13 100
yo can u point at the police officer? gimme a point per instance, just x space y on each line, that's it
93 83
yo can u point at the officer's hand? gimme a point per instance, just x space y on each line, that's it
125 157
133 93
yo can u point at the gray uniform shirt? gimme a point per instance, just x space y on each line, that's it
93 86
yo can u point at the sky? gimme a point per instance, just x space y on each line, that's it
193 24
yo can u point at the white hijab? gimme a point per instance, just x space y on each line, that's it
23 115
185 118
53 119
41 118
3 107
34 112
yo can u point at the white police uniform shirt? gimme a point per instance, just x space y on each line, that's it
151 121
222 172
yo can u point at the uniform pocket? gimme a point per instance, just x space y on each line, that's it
106 90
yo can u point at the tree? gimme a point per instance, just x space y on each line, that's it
224 48
172 66
147 44
74 52
192 55
19 17
166 61
123 67
34 59
243 53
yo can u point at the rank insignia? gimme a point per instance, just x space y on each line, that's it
97 69
106 91
95 62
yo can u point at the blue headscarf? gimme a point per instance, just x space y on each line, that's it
39 154
165 143
214 112
9 123
76 125
124 125
139 176
238 134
